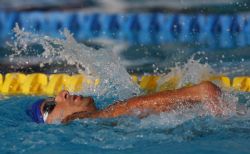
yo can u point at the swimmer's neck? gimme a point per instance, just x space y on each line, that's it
82 114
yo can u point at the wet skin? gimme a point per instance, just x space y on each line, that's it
69 107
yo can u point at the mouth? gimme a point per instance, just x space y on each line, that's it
81 100
84 100
77 97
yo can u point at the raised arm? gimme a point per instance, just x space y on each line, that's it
205 92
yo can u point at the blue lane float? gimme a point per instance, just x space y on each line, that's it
225 31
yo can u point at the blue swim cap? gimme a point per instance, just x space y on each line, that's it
35 113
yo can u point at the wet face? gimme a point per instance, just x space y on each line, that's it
65 104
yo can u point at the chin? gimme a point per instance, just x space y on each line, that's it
91 100
90 104
86 101
83 100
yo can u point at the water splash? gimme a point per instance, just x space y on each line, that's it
191 72
101 64
115 134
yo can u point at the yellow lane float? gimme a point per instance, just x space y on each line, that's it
1 80
241 83
12 83
43 84
35 84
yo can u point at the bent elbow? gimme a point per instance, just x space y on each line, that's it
210 90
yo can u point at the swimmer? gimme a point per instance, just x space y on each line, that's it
65 107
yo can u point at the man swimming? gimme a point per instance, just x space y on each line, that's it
65 107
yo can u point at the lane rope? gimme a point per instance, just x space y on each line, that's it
212 30
51 84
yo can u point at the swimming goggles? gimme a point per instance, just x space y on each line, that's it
48 107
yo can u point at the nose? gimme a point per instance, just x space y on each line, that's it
63 95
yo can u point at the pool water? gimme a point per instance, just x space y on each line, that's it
182 131
175 132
